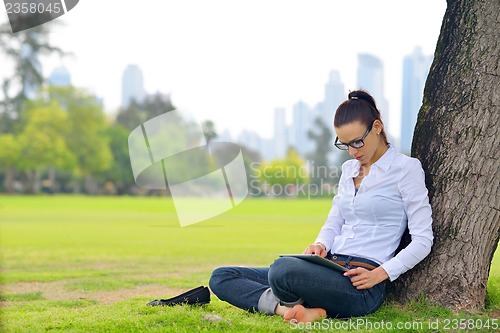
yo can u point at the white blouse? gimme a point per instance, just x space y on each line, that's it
370 224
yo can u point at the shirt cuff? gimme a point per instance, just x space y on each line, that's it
394 268
324 242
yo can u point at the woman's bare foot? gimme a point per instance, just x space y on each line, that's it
301 314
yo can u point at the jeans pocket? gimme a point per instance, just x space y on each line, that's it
375 297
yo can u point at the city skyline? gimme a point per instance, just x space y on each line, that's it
370 77
294 133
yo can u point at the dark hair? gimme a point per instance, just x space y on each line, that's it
360 106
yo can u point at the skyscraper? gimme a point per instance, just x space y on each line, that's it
251 140
302 122
334 95
415 69
132 85
371 78
60 77
280 133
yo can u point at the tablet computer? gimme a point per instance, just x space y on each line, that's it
317 260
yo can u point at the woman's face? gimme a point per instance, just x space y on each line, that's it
355 131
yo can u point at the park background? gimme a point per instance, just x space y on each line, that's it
91 244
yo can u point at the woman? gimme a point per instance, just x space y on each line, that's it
381 193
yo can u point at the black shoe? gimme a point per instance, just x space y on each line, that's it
196 296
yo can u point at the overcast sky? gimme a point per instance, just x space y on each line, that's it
235 61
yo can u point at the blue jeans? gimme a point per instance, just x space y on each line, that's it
290 281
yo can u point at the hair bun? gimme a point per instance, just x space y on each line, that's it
361 94
353 95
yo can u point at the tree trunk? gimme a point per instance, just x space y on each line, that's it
90 185
9 180
52 180
457 140
33 181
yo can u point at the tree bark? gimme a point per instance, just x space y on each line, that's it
457 140
9 180
90 185
33 181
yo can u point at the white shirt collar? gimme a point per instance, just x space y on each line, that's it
383 163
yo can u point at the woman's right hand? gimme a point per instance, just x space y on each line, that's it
316 248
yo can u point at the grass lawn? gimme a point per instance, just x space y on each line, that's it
90 264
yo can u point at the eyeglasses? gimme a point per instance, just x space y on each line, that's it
355 143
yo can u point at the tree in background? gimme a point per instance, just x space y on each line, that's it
283 177
131 116
137 113
9 157
252 158
209 131
322 138
85 137
181 126
42 142
456 139
24 49
120 171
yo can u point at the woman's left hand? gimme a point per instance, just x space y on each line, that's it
365 279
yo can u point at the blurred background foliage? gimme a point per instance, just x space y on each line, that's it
58 139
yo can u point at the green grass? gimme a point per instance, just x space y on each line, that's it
62 257
22 297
